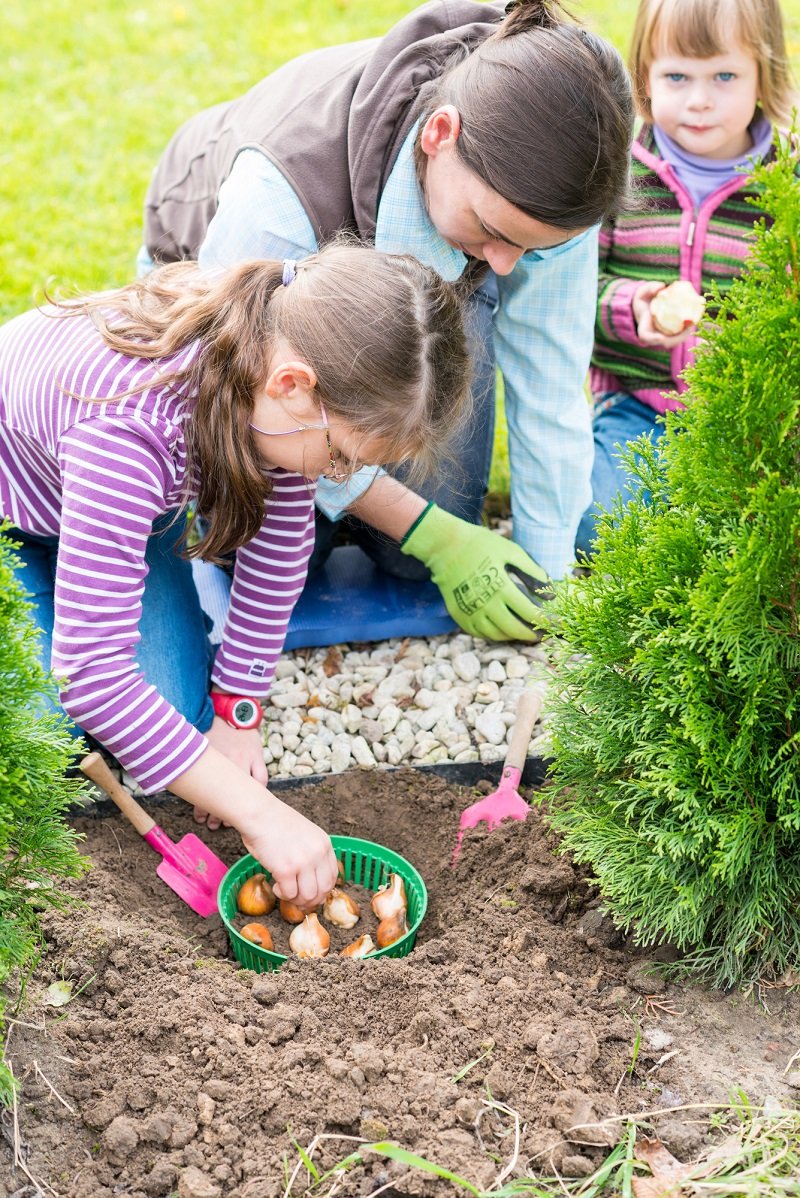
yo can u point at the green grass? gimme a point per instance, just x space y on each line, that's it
754 1152
91 93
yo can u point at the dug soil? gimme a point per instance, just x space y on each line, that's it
172 1070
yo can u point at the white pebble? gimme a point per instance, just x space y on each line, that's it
389 718
491 726
495 671
352 718
518 667
340 756
467 666
488 753
361 751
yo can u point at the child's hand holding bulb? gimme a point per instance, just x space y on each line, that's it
648 329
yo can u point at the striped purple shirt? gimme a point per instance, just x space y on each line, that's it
97 475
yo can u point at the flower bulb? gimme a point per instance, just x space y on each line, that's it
309 938
291 912
391 929
258 934
340 909
390 899
359 948
255 896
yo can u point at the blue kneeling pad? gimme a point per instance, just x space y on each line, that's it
349 599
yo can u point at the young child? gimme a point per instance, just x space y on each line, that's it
231 390
710 78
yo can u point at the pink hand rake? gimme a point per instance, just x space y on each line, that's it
506 802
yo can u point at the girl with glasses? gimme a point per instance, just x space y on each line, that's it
230 392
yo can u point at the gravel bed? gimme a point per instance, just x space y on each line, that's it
399 702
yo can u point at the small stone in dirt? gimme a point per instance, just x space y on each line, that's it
193 1183
183 1131
467 1110
161 1178
554 878
657 1038
793 1079
120 1137
265 989
577 1166
682 1139
100 1113
641 978
157 1130
205 1108
498 1082
369 1060
281 1023
598 930
575 1112
218 1089
373 1129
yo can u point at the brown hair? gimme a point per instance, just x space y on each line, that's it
546 116
383 333
705 28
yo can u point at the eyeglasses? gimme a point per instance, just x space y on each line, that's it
333 474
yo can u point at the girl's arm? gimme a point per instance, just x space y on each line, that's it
297 853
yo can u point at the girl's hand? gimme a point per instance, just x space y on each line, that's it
244 748
646 330
297 853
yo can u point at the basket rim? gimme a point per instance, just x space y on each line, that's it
342 843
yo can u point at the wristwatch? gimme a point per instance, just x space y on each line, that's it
240 711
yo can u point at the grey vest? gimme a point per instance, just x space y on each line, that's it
331 121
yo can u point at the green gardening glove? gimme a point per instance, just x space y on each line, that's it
490 586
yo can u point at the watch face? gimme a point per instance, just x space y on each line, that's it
244 711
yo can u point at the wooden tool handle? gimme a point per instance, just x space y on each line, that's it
528 712
95 768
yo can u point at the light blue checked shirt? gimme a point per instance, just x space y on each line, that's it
543 331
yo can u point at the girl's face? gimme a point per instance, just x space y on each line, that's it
295 432
705 104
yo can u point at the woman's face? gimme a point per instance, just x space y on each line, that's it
469 214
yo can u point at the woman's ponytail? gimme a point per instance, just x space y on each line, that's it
524 15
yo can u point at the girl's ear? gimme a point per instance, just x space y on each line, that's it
441 130
290 380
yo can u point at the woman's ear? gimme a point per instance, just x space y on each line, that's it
441 130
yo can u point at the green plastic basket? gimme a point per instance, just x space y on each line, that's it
365 864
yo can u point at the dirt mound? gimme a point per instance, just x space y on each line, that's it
173 1069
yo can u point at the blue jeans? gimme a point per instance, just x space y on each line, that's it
619 418
463 489
174 653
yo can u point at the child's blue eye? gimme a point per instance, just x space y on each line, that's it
725 76
675 77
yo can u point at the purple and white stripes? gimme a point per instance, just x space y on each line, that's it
97 475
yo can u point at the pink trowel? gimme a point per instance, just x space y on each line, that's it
189 867
506 802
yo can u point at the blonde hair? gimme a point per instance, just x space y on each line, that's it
383 333
705 28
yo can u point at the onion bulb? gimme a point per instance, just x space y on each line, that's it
390 899
391 929
309 938
258 934
340 909
359 948
255 896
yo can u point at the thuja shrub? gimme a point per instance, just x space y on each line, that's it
37 848
677 728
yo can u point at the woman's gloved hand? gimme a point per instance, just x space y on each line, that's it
490 586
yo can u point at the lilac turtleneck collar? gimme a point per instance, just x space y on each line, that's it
700 176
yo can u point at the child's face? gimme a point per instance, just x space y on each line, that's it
705 104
